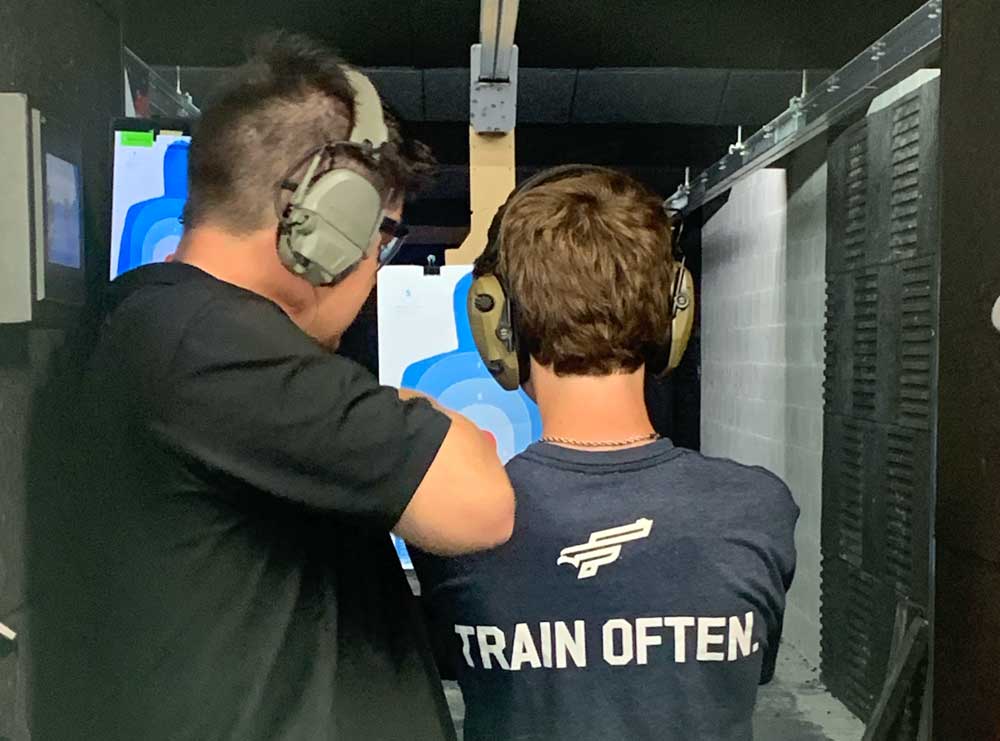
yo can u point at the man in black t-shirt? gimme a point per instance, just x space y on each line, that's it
215 560
642 593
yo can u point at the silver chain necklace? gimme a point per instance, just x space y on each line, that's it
598 444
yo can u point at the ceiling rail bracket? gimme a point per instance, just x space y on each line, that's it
493 69
898 54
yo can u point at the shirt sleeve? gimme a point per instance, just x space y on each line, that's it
250 398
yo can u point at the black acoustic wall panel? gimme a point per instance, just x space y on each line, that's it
882 308
66 55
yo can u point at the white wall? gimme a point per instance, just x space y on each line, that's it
763 299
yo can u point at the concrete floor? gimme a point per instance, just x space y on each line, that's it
794 707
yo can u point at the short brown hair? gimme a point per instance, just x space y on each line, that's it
588 262
290 97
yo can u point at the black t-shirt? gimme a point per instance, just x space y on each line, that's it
640 597
227 531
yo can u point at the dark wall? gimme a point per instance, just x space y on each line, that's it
967 633
65 54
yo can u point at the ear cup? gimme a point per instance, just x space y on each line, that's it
683 322
333 218
331 227
664 357
491 321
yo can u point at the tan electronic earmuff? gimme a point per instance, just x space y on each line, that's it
491 321
335 212
682 295
492 311
682 315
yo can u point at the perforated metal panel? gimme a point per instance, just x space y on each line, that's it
882 279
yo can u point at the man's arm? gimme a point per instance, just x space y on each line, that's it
465 501
250 399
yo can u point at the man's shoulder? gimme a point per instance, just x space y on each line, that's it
170 305
528 466
727 469
165 326
520 460
727 484
177 292
752 485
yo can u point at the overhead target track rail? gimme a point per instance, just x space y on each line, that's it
905 49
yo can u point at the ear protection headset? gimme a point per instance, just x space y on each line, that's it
334 213
493 311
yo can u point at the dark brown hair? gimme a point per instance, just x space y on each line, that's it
410 165
587 259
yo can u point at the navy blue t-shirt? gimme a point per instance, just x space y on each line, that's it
641 596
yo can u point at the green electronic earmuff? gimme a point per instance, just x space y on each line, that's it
334 214
492 310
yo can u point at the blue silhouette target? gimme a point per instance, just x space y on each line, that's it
153 228
459 381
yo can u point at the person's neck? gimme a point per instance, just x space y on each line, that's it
592 409
249 261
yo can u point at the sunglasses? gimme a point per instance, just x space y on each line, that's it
393 236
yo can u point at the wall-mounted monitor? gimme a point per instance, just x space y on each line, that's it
42 254
59 163
148 192
63 207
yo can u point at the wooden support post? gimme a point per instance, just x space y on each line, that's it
491 179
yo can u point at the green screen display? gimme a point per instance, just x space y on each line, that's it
137 138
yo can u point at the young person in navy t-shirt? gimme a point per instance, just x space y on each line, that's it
641 595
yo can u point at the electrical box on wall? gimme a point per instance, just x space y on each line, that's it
41 213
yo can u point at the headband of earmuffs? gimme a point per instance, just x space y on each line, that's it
493 311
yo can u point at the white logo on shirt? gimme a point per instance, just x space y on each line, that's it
603 547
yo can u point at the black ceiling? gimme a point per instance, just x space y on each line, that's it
623 95
767 34
583 94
